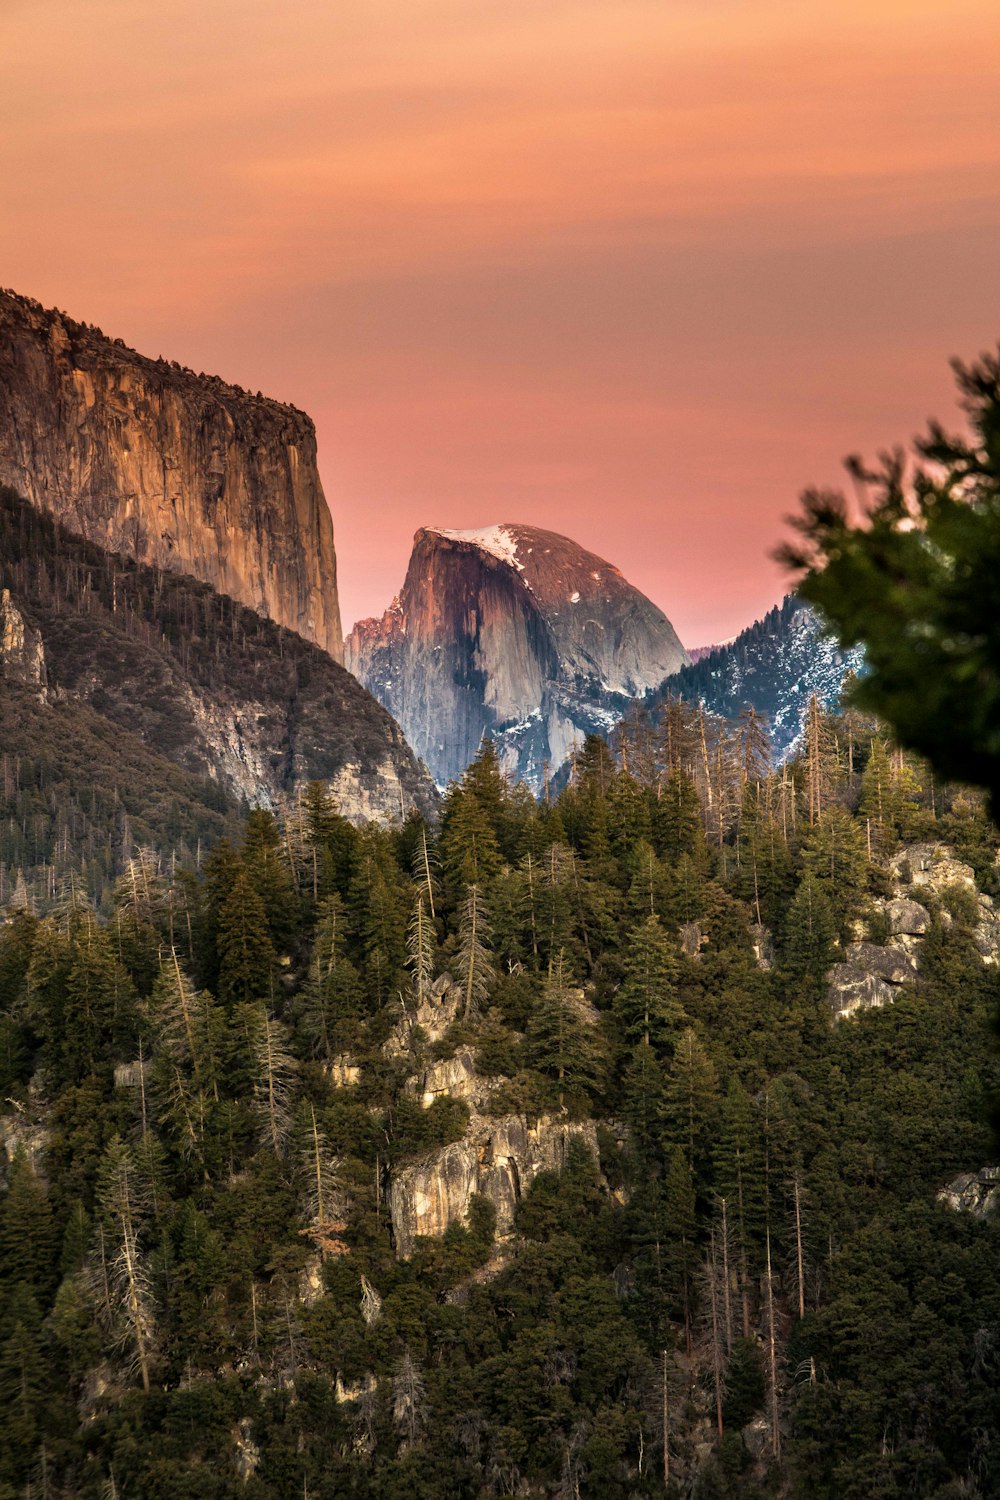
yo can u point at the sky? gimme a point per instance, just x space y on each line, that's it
637 272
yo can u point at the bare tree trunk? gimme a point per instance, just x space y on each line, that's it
798 1248
531 905
255 1332
727 1305
704 755
772 1358
426 862
744 1269
317 1164
135 1303
142 1092
666 1427
713 1288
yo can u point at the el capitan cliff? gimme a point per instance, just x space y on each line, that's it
174 469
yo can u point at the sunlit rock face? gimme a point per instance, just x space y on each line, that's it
515 632
22 654
873 975
498 1158
499 1153
973 1193
169 467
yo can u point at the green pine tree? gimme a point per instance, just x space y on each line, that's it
647 1006
247 958
562 1043
691 1100
265 860
810 931
28 1246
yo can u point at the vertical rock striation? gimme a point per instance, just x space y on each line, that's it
515 632
498 1158
174 469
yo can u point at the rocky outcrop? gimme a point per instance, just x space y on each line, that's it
452 1078
427 1021
974 1193
928 873
907 918
21 1130
343 1073
873 974
497 1157
515 632
500 1153
22 655
174 469
932 867
893 965
852 989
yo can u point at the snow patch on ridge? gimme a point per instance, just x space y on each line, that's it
499 541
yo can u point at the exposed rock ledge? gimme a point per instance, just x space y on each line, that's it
22 655
869 978
872 975
497 1157
975 1193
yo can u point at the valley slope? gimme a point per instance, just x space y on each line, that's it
155 670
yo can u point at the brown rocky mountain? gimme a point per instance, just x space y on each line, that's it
177 470
515 632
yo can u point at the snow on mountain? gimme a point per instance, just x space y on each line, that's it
499 541
776 665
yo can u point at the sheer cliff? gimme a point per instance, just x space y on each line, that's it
515 632
174 469
187 675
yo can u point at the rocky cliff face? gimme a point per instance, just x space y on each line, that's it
498 1157
973 1193
174 469
873 974
22 655
499 1154
515 632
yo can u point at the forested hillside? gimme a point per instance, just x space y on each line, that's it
674 1067
159 706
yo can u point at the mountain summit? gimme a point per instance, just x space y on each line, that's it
516 632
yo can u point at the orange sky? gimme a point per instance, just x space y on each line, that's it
635 271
